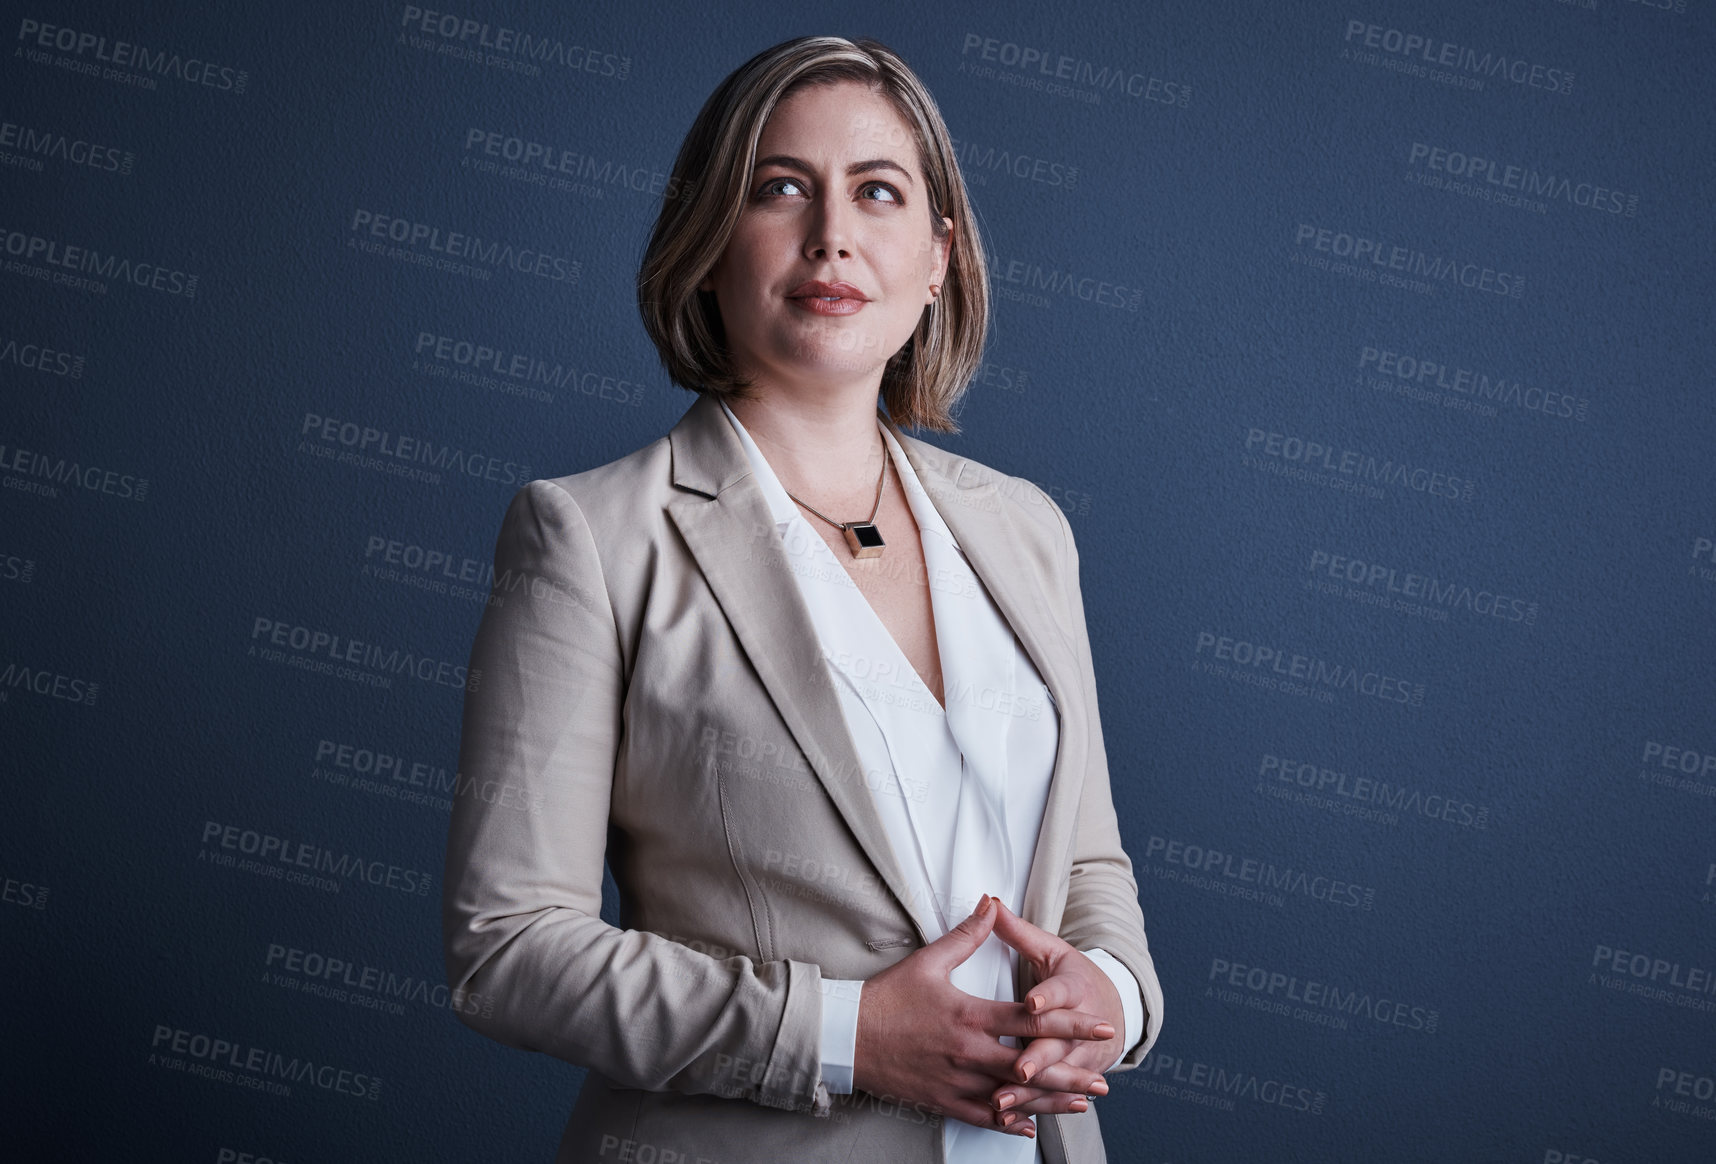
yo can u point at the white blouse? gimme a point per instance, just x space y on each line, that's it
961 791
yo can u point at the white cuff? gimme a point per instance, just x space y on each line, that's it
840 1031
1131 1001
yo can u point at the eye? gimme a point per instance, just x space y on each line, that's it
773 182
893 194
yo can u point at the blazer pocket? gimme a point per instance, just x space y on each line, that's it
894 942
762 919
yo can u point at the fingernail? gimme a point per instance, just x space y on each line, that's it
1099 1087
1006 1101
1007 1118
1079 1105
983 903
1036 1003
1105 1030
1027 1070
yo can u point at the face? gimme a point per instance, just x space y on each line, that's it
837 197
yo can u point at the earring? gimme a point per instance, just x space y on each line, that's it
935 289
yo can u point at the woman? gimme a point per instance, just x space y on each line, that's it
851 786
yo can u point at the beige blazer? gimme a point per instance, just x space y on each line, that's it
647 687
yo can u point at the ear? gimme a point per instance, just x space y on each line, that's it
943 254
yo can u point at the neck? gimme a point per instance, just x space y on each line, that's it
824 447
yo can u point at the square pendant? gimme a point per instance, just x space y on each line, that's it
865 540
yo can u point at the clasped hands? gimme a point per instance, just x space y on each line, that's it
924 1041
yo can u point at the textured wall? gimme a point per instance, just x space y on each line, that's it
1366 346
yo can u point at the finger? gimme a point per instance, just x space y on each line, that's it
985 1116
960 942
1012 1122
1035 943
1010 1096
1064 1076
1037 1101
1061 1104
1051 1024
1057 990
1030 1063
984 1063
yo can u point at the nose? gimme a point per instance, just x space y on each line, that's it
828 228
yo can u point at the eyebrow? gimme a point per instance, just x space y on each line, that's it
789 162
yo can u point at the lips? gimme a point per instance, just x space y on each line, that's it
816 289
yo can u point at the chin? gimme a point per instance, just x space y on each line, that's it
844 352
850 345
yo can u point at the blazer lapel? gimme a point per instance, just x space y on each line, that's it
726 523
968 499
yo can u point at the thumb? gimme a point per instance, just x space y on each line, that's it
962 940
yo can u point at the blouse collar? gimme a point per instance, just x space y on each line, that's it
785 510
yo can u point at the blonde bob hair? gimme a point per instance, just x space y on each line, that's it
711 177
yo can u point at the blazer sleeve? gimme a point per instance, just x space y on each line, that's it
522 934
1102 908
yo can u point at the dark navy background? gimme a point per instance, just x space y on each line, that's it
138 705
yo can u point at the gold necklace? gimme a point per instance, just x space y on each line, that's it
862 537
